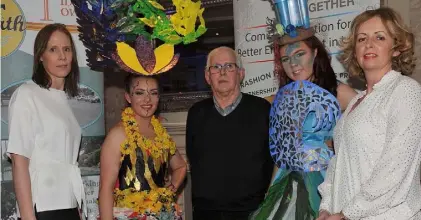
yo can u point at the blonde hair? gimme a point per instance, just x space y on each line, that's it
403 41
217 50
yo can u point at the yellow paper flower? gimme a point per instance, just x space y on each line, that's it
144 201
184 20
159 149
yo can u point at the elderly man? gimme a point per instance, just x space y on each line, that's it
227 144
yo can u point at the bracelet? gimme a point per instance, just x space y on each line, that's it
172 187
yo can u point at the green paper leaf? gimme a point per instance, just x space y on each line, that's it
164 32
189 38
121 22
117 4
171 39
201 30
128 28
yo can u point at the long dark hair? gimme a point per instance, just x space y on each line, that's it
324 76
39 75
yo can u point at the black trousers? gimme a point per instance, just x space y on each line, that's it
61 214
220 215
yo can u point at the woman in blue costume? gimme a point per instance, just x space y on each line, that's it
303 115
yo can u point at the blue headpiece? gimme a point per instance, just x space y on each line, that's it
292 21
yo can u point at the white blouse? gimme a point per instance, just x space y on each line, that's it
375 173
43 128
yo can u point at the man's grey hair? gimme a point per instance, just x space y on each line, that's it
225 49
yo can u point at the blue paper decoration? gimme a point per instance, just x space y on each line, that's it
291 30
293 12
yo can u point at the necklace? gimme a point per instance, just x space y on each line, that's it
159 148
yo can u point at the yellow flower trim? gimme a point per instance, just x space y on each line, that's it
144 201
159 149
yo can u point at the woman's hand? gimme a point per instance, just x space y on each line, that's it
323 215
335 217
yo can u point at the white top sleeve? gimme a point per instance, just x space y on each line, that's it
21 134
325 188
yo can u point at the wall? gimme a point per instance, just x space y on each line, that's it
415 23
410 10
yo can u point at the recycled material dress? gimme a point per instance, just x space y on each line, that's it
153 204
302 119
140 192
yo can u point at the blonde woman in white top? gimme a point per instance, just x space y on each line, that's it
44 136
376 171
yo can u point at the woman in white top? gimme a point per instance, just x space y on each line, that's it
44 136
376 171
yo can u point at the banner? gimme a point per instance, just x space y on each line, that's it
331 20
21 21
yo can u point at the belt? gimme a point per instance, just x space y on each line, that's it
76 181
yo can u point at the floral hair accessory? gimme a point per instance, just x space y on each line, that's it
110 28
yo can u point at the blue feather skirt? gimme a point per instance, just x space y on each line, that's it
292 195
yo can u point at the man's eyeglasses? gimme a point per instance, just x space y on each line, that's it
227 67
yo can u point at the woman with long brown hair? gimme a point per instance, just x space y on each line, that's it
44 136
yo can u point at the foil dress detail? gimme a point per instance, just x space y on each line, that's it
302 119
